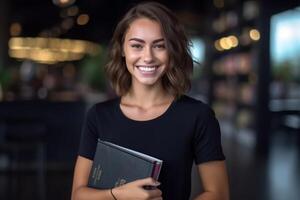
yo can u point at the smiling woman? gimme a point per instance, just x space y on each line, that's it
145 54
149 68
172 39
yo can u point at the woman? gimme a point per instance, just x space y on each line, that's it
149 69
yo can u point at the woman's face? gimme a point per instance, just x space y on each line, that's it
145 52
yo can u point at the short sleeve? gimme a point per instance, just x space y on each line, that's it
207 138
89 135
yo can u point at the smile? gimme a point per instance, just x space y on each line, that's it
147 69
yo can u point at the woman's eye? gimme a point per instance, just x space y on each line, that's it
136 46
159 46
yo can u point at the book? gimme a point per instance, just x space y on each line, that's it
115 165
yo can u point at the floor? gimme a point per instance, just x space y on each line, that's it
275 176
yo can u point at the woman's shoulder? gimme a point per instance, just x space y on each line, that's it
191 101
192 104
106 105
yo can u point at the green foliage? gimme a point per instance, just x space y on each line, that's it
5 78
92 71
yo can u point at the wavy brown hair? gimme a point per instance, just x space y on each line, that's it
176 79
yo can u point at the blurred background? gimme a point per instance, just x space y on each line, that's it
52 54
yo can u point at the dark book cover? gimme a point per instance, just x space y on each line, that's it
115 165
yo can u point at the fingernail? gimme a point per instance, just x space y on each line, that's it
157 183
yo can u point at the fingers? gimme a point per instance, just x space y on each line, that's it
154 193
142 189
146 182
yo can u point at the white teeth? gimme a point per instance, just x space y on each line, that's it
147 69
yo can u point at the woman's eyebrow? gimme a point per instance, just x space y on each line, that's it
158 40
142 41
137 40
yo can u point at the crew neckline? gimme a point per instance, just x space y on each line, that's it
161 116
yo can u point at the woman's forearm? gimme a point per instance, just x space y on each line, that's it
85 193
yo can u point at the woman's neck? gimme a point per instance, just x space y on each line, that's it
146 96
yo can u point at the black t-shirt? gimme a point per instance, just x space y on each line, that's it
187 131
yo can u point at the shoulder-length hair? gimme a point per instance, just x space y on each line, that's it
176 79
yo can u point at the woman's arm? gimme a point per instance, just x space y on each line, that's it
80 181
214 179
133 190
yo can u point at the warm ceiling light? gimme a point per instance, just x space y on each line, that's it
218 46
254 34
63 3
50 50
83 19
233 40
225 43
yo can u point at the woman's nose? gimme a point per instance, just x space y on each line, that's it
148 55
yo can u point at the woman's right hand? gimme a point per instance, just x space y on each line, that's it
136 190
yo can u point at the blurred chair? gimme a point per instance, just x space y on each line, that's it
23 142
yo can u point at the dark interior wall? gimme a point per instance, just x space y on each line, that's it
3 32
279 6
56 124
